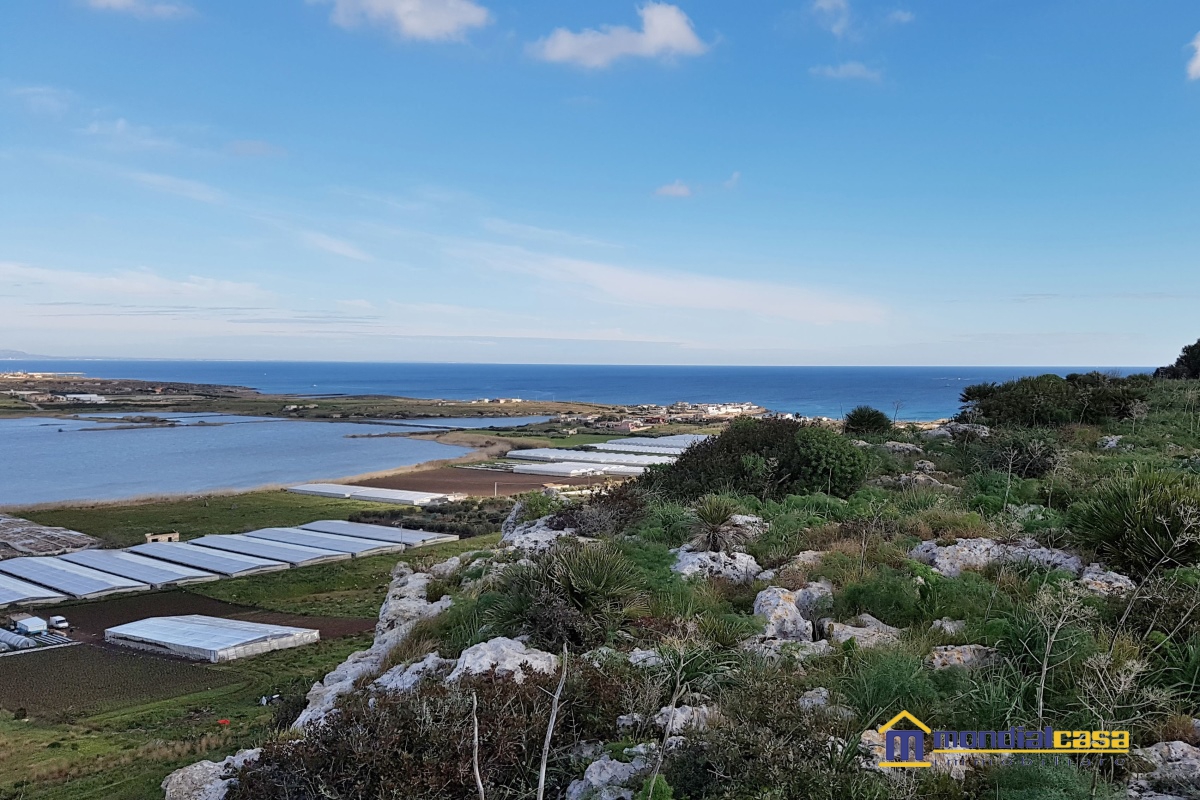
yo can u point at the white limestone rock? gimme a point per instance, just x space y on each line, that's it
534 537
451 565
404 606
735 567
405 678
925 467
1176 769
677 720
859 443
807 558
508 657
977 554
606 779
784 620
903 448
1109 442
1101 581
950 627
953 430
815 597
778 648
819 700
965 655
645 658
867 632
205 780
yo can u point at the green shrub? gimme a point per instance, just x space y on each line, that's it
1186 367
576 595
866 420
887 594
881 683
711 528
660 790
1045 782
1140 519
535 505
1050 400
766 458
1027 453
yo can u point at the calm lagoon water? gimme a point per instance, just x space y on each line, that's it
44 460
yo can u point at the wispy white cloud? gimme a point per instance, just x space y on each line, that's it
848 71
42 99
193 190
901 16
733 181
337 247
666 32
121 134
518 230
676 189
1193 68
146 9
677 290
429 20
834 15
128 285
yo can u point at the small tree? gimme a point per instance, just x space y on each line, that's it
865 419
1058 608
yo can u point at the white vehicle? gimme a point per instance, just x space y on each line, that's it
59 623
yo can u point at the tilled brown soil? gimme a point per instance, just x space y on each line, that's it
471 482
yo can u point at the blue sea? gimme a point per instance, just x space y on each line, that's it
924 393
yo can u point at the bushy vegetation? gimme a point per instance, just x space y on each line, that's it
1186 367
767 458
1049 400
1142 521
866 420
473 516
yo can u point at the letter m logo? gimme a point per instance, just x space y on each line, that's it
904 748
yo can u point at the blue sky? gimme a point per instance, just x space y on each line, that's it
829 182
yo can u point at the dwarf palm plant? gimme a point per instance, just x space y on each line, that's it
711 524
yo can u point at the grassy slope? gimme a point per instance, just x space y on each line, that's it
127 524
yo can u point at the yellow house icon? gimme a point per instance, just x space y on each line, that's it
898 743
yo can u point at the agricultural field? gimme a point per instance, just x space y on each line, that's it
126 524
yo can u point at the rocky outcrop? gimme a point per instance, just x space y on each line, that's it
1109 442
778 648
950 627
819 700
405 678
679 719
206 780
1101 581
748 524
1176 771
735 567
508 657
925 467
866 632
607 779
963 655
914 480
807 558
533 537
814 598
404 606
784 620
903 448
645 658
955 430
951 560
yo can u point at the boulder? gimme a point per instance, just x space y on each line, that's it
403 607
807 558
1109 442
533 537
859 443
451 565
750 525
784 620
914 480
508 657
866 632
205 780
903 448
645 658
818 700
951 560
606 779
1101 581
767 575
677 720
925 467
964 655
777 648
1176 770
406 677
815 597
950 627
735 567
954 430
